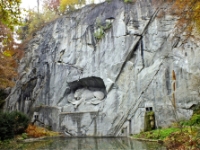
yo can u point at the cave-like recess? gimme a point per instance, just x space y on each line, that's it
89 82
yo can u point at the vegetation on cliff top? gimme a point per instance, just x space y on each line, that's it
188 12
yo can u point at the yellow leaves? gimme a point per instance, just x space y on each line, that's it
197 7
9 18
10 13
8 70
8 53
67 4
189 14
35 131
196 16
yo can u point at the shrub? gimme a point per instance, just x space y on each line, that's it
99 33
24 136
3 96
6 126
21 122
12 123
195 120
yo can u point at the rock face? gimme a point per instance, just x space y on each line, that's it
97 71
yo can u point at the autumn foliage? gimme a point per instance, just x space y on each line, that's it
10 54
8 67
52 5
59 6
188 13
70 4
34 21
10 13
9 49
35 131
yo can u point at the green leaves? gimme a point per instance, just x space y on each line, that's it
10 13
128 1
12 123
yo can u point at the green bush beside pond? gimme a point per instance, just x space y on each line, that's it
12 123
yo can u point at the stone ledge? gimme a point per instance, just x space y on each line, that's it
66 113
47 106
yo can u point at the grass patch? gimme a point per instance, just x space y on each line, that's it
159 134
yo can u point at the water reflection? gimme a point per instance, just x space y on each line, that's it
100 144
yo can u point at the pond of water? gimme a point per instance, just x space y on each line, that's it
63 143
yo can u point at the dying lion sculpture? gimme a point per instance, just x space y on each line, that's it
87 96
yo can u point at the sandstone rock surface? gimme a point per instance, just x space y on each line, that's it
131 64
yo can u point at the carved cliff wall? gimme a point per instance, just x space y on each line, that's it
96 71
